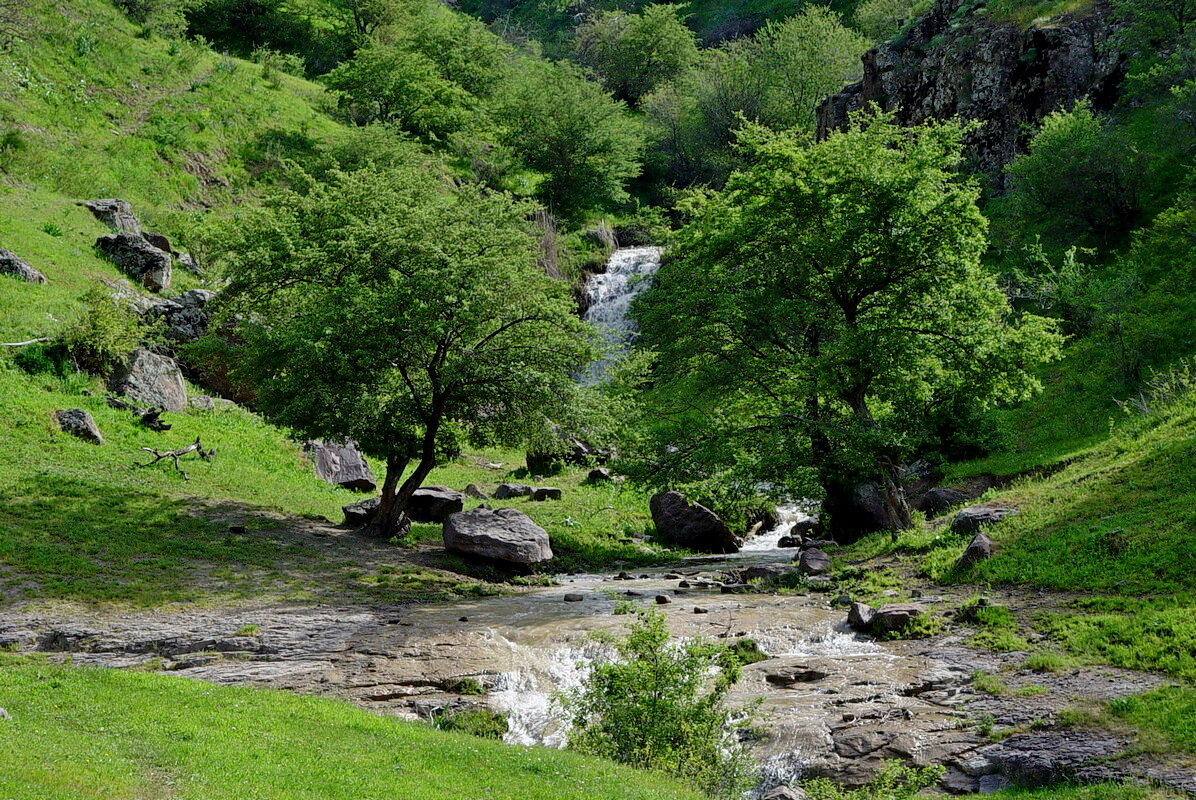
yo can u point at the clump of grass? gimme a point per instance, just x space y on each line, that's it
1032 690
988 683
249 629
1046 661
481 722
465 685
747 651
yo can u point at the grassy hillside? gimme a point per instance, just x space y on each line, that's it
91 733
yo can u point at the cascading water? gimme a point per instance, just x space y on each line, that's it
610 295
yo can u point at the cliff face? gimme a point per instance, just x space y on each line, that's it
956 62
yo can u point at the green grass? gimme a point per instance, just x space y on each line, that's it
1166 715
1024 13
1108 791
91 733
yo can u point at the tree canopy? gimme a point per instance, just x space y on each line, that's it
383 307
815 315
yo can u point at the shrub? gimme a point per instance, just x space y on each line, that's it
104 334
481 722
895 782
656 708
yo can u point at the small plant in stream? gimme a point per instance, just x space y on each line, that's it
661 706
896 781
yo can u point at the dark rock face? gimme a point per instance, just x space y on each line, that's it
185 317
599 475
151 379
116 214
159 241
1034 760
691 525
505 535
971 520
506 491
813 561
860 615
360 513
952 62
475 491
78 422
434 504
896 616
341 464
542 493
939 501
138 258
11 265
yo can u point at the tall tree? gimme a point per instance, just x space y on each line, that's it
384 307
816 313
635 53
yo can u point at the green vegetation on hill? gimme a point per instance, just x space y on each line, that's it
92 733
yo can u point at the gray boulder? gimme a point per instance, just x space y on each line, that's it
939 501
972 519
506 491
691 525
11 265
896 616
542 493
785 793
599 475
78 422
151 379
159 241
860 616
360 513
116 214
185 317
205 402
980 548
813 561
507 535
766 572
434 504
138 258
475 491
341 464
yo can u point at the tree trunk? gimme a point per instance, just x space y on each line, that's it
389 520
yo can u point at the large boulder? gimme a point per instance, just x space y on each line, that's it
116 214
939 501
78 422
139 259
152 380
980 548
185 317
341 464
434 504
860 616
507 535
691 525
813 561
972 519
11 265
542 493
360 513
896 617
506 491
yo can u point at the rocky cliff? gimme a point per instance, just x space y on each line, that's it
957 61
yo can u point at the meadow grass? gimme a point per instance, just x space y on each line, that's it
94 733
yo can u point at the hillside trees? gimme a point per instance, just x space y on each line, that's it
635 53
819 311
382 307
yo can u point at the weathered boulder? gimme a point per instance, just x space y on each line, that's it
806 526
813 561
691 525
138 258
185 317
860 615
360 513
939 501
506 491
341 464
475 491
434 504
507 535
159 241
151 379
542 493
11 265
116 214
896 616
980 548
971 520
766 572
78 422
599 475
1035 760
789 541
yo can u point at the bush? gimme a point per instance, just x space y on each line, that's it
895 782
475 721
104 335
657 709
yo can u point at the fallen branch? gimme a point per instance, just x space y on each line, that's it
22 344
175 455
149 417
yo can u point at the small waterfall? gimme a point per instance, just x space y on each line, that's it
610 295
788 516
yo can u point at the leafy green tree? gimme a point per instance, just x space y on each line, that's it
383 307
635 53
814 315
1079 184
656 708
584 143
880 19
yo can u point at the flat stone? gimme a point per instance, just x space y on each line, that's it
896 616
972 519
574 598
434 504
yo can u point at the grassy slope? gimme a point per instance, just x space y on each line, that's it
91 733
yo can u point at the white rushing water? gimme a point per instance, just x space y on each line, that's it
610 295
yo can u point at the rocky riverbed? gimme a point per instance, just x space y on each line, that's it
833 702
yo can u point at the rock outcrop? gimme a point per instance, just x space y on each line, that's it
10 264
691 525
506 535
138 259
79 423
955 60
972 519
116 214
184 317
152 379
341 464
